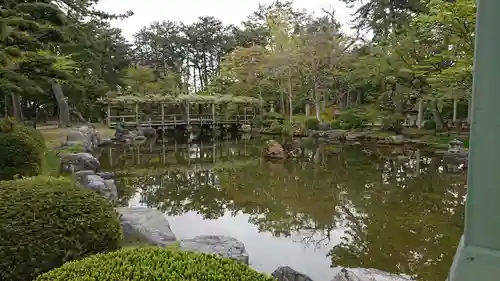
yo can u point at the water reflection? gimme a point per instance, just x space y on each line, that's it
393 209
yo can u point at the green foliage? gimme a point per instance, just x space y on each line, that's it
430 125
352 119
154 264
335 124
47 221
311 123
267 119
393 123
22 150
287 129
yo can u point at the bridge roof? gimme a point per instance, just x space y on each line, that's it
213 99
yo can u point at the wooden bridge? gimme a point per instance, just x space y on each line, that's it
163 112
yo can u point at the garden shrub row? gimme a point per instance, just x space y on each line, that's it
22 150
47 221
153 264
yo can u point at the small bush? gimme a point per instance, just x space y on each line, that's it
311 123
21 155
35 134
268 118
335 124
154 264
393 123
430 125
352 119
46 221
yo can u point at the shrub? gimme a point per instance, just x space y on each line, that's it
268 118
393 123
21 153
154 264
430 125
335 124
46 221
35 134
352 119
311 123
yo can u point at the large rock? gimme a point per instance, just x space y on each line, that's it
286 273
224 246
147 132
362 274
246 128
75 162
106 188
86 136
274 150
151 224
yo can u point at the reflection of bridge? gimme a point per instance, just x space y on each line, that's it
180 156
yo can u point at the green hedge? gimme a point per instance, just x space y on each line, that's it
22 150
46 221
153 264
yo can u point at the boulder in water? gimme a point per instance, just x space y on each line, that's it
106 188
75 162
246 128
151 224
286 273
224 246
363 274
274 150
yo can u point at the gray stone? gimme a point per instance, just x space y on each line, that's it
363 274
398 139
86 136
106 175
148 132
75 162
106 188
150 223
224 246
286 273
246 128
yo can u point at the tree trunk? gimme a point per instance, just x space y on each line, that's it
420 113
437 116
62 104
290 104
17 110
455 106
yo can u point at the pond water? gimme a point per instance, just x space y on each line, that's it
397 210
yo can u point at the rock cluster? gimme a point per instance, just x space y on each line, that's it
286 273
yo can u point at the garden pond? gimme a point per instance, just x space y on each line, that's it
396 209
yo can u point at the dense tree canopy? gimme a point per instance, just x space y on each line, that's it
61 55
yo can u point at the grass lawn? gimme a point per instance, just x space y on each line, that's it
54 137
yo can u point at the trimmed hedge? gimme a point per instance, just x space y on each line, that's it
21 153
46 221
154 264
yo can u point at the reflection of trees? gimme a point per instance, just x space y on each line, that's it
404 223
402 214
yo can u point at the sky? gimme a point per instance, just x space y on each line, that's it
188 11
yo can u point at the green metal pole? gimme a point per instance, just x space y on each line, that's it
478 254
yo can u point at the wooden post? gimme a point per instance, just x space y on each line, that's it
245 114
137 113
213 114
110 156
107 117
455 108
188 105
420 114
162 119
308 109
